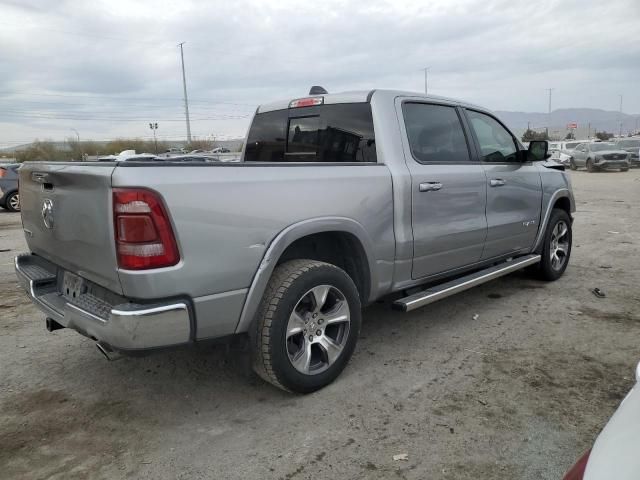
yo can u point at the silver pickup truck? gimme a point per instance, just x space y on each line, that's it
339 200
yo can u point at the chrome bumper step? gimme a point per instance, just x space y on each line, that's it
443 290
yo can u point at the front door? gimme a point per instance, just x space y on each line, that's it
448 190
580 155
514 188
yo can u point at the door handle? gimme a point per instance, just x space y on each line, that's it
496 182
430 186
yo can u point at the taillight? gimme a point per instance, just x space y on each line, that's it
144 237
577 471
3 172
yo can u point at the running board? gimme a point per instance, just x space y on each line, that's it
443 290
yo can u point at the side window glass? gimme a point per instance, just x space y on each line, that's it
496 143
435 133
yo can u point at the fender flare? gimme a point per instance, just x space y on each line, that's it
560 193
285 238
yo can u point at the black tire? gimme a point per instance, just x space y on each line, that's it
546 270
624 169
590 167
572 164
11 201
287 287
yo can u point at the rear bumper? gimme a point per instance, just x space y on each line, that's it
122 326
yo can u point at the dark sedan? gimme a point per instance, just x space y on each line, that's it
9 197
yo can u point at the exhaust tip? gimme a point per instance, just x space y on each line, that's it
52 325
107 351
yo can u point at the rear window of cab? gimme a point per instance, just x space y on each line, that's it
337 133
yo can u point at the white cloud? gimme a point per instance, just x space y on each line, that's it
117 61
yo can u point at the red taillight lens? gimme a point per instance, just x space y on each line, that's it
577 471
144 237
3 172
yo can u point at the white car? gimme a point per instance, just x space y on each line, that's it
614 454
561 151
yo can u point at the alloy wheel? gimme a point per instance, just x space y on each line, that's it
14 202
318 329
559 247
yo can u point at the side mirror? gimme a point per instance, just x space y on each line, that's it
538 150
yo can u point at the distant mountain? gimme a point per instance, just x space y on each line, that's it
557 121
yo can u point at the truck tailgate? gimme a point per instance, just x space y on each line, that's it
67 218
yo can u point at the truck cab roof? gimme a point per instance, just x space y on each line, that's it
362 96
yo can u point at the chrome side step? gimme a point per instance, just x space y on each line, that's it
443 290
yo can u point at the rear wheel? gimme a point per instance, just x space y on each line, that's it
590 167
556 247
12 203
624 169
307 326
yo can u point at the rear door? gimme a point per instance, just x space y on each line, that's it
67 218
448 190
514 187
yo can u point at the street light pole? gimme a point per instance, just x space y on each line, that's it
549 111
154 126
184 87
426 89
620 133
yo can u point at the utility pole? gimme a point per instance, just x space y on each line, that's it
589 131
184 86
549 111
154 126
426 89
620 134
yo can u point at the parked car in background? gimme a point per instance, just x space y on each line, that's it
632 147
400 190
9 196
221 150
561 151
614 454
599 156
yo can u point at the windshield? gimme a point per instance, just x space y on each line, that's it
572 145
599 147
629 143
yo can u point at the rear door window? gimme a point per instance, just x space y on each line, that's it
435 133
341 133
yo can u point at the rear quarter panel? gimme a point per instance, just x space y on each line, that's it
226 216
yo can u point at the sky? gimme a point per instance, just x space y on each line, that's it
105 69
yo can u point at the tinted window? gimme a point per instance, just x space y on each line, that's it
496 143
323 133
267 137
435 133
571 146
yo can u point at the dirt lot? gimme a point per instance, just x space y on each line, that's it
519 392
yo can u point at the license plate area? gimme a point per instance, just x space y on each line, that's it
72 286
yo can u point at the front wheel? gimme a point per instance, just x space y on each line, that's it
556 247
572 164
590 167
307 326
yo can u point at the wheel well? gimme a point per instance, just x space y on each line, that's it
341 249
564 204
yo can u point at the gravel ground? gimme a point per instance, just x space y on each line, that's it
517 393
